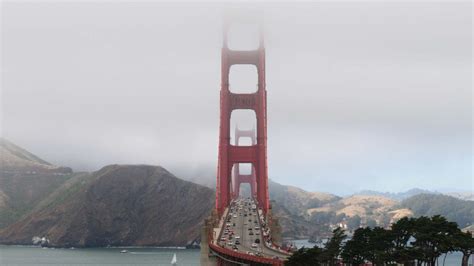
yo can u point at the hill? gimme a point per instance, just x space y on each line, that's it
290 203
462 195
297 200
14 159
399 196
118 205
301 217
454 209
25 179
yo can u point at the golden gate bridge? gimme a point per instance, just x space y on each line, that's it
242 231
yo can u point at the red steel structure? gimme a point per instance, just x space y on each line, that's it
238 178
230 155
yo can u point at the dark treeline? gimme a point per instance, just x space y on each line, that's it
410 241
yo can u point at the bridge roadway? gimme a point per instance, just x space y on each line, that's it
237 215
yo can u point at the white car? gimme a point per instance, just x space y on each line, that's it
254 245
237 237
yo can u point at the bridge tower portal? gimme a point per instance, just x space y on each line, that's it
255 154
239 178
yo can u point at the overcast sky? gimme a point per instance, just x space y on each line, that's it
361 95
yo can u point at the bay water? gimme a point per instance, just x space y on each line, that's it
25 255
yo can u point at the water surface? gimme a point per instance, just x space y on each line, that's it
21 256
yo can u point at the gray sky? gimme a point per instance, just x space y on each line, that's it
361 95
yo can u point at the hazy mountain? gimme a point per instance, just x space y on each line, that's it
399 196
25 179
317 218
297 200
118 205
452 208
14 159
461 195
290 203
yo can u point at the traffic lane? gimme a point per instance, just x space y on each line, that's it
249 222
241 229
246 240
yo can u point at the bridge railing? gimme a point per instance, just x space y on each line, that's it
213 245
272 246
245 257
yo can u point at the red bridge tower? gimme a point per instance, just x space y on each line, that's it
241 178
256 154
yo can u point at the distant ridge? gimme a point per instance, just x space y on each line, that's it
398 196
11 149
14 159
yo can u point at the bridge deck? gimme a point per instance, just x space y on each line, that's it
243 224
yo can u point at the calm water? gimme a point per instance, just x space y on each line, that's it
19 256
453 259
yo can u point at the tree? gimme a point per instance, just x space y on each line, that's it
433 237
305 257
422 239
332 248
379 245
402 231
355 250
464 243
